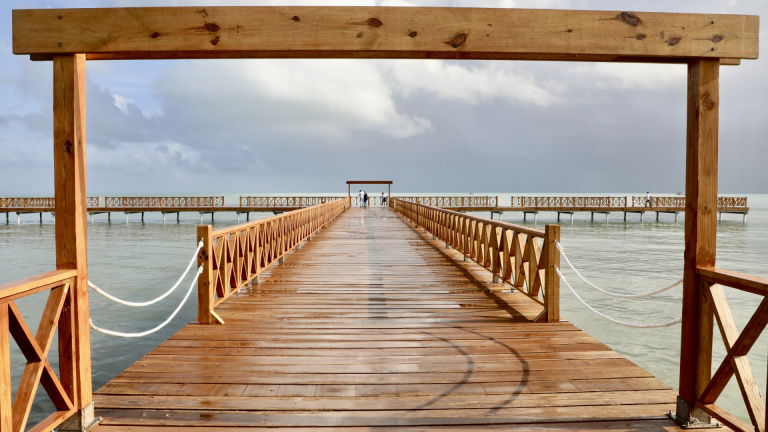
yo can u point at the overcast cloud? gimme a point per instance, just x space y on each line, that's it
273 126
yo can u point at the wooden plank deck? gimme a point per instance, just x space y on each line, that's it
373 325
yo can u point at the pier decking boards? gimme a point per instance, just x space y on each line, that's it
373 324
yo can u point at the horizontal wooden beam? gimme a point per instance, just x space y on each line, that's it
381 32
729 278
351 182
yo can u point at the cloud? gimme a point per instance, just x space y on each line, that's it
472 83
122 103
328 98
641 76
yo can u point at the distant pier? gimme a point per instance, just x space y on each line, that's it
527 205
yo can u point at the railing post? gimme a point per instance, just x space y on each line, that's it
204 282
700 235
6 407
71 234
551 279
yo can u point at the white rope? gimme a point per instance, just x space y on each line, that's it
150 302
134 335
624 296
615 321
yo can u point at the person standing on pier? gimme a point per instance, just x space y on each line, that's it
648 199
365 198
383 199
361 194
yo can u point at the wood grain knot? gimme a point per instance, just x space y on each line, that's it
155 35
674 41
359 35
295 18
413 34
629 18
569 31
707 103
374 22
212 27
68 146
457 40
717 38
640 36
215 40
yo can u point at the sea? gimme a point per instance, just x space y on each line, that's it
138 261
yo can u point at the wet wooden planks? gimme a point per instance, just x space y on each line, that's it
372 324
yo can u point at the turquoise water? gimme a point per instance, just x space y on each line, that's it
138 261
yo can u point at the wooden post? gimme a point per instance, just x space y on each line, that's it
71 233
700 233
551 279
6 409
204 282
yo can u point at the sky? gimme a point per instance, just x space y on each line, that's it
201 127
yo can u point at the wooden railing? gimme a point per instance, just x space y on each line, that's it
608 202
455 201
575 203
286 201
164 202
232 257
61 389
735 363
23 203
523 257
731 202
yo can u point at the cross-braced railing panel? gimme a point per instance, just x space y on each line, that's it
514 254
731 202
234 256
23 203
737 346
36 350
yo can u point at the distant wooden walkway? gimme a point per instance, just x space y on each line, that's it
372 324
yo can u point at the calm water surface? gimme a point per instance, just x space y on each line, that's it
137 261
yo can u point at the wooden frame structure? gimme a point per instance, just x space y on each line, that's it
386 182
69 37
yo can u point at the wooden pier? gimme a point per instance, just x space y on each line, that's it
540 383
375 324
570 205
528 205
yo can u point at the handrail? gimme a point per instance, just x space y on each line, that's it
454 201
737 346
56 316
523 257
285 201
164 202
232 257
617 202
545 202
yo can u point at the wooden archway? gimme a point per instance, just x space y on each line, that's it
69 37
355 182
